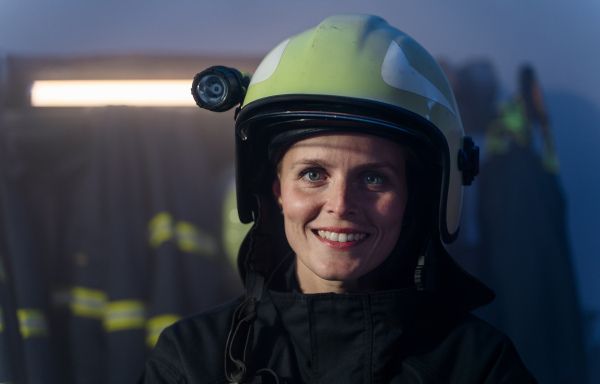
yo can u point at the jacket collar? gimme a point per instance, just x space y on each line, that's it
361 326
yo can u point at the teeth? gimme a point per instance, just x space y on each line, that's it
341 237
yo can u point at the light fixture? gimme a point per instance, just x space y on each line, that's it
97 93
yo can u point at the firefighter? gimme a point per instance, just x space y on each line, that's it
351 160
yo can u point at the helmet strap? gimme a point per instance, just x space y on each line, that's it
243 317
241 326
425 273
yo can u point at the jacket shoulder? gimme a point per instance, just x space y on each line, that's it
469 350
192 349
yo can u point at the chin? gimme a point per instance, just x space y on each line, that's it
341 274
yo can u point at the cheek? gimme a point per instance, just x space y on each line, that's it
297 207
391 211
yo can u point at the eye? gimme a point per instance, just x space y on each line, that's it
373 179
312 175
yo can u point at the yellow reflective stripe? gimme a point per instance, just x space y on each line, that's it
125 315
160 229
156 325
1 320
32 322
192 239
86 302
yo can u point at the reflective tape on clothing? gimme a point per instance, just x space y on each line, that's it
189 238
160 229
32 323
192 239
156 325
89 303
1 320
125 315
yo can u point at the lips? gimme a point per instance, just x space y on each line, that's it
341 237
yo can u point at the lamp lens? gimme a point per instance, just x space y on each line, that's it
212 89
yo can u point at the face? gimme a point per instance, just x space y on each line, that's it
343 198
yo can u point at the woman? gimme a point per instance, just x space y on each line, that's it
350 162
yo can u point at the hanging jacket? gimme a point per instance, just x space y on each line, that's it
396 336
25 300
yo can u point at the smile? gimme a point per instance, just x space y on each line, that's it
341 237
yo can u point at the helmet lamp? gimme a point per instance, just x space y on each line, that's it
219 88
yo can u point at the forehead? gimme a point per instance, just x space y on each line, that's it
354 145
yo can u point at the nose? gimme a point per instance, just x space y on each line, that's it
341 200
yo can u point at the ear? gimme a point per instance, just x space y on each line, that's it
277 192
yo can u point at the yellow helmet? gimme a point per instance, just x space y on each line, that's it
357 73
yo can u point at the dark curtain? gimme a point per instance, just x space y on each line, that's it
110 232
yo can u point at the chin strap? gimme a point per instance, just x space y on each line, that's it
241 326
243 317
425 273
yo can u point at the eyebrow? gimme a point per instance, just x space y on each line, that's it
324 164
311 162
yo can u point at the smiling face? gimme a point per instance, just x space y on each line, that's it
343 198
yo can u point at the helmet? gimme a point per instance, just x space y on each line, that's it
354 72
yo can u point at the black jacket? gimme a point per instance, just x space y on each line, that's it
396 336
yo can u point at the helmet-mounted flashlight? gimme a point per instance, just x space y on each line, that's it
220 88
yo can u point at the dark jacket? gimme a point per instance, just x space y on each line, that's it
396 336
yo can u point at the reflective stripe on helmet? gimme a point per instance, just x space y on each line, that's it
397 72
